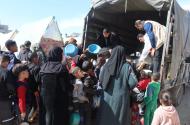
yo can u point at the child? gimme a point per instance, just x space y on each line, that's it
151 97
33 83
22 74
4 61
144 80
90 89
4 93
12 48
138 96
79 98
166 114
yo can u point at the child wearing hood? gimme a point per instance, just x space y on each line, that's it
166 114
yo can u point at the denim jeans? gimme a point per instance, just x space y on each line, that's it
156 61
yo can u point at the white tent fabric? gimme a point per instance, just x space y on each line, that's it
5 37
34 31
53 32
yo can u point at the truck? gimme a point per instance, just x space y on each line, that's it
120 15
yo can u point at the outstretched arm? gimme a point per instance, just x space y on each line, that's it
149 30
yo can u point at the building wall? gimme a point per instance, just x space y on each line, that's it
4 29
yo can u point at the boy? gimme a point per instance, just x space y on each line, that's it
151 97
139 90
23 55
91 90
12 48
145 79
90 80
79 98
34 82
22 74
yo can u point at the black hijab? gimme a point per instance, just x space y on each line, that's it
55 54
53 65
114 65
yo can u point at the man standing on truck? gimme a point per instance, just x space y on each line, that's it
156 33
108 39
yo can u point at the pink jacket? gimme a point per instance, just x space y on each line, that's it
166 115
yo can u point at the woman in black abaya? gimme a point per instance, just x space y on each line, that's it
55 88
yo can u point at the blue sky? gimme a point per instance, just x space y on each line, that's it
69 13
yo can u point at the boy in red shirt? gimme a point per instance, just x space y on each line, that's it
145 78
21 71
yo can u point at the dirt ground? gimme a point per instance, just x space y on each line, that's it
184 107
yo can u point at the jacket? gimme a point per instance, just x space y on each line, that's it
23 55
109 42
34 79
166 115
54 76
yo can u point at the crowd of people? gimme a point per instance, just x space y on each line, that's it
87 89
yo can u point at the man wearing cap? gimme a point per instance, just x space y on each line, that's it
108 39
156 33
23 55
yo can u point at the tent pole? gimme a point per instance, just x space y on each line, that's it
85 33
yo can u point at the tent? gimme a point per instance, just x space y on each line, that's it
45 31
5 37
119 16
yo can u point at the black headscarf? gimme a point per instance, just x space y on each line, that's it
54 62
114 65
55 54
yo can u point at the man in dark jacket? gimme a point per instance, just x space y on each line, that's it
55 86
108 39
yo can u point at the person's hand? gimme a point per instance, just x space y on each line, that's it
86 50
76 87
85 99
82 56
140 66
68 59
153 50
36 94
23 115
24 62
